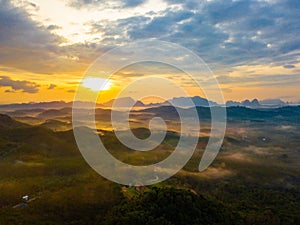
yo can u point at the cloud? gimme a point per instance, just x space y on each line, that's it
51 86
106 3
9 91
289 66
29 45
226 32
280 80
24 43
19 85
126 76
132 3
53 27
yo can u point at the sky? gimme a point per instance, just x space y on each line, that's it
252 47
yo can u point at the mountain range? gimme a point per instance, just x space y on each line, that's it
260 104
183 102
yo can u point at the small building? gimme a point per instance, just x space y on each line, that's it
139 187
25 197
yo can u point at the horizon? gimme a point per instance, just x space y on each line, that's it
261 101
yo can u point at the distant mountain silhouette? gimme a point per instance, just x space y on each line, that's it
123 102
191 102
267 103
38 105
183 102
273 102
247 103
231 103
253 104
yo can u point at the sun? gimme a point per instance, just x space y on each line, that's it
96 84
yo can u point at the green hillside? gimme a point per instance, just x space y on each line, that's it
254 180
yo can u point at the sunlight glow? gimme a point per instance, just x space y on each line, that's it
96 84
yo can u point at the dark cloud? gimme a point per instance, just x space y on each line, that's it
24 43
33 4
18 30
51 86
289 66
133 3
53 27
28 45
9 91
18 85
